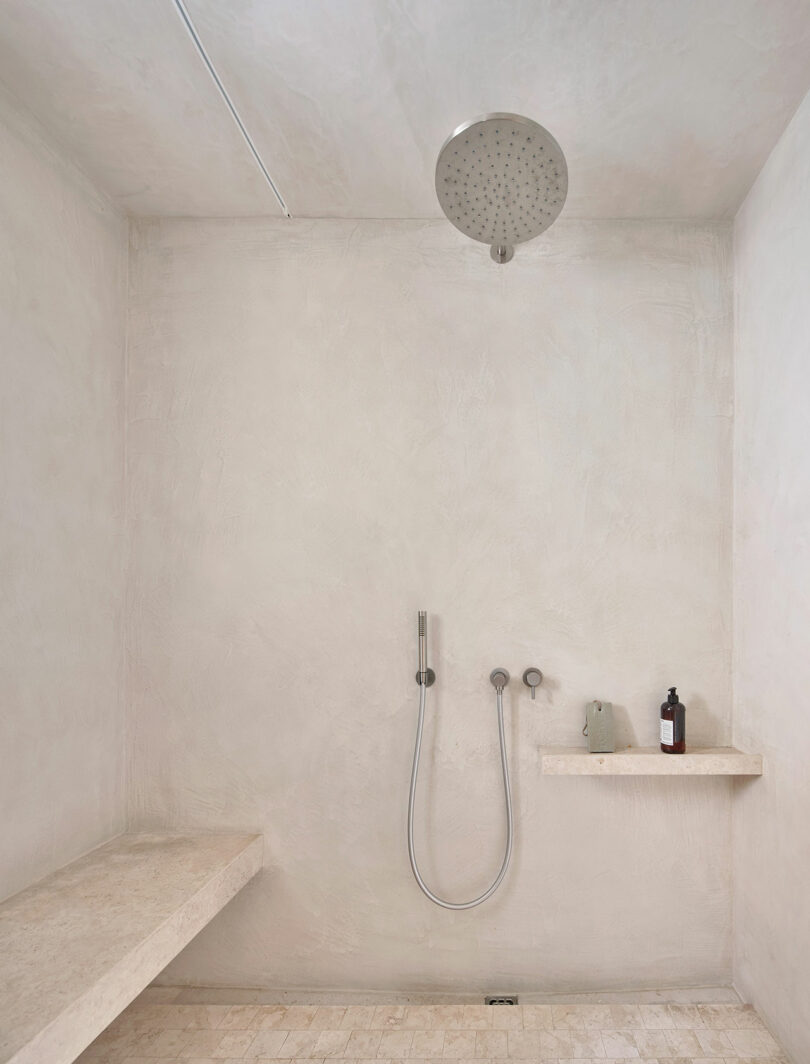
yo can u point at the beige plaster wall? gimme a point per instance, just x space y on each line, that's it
333 424
62 318
772 588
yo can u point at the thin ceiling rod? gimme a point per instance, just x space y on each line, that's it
186 17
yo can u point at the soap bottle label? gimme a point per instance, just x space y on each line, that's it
667 732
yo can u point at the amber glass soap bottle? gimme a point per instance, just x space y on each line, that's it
673 724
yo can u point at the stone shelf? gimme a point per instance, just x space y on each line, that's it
649 761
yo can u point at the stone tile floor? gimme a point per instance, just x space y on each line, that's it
154 1032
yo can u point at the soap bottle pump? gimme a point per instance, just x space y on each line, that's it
673 724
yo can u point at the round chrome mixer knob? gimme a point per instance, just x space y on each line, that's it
499 678
532 677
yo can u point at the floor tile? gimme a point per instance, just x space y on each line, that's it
714 1043
328 1018
388 1017
651 1043
239 1017
683 1044
718 1017
511 1017
459 1044
331 1044
620 1044
752 1043
623 1017
208 1016
358 1017
477 1017
169 1043
491 1044
656 1017
587 1044
686 1016
363 1043
297 1017
396 1045
208 1029
201 1043
234 1044
554 1044
273 1016
279 1043
523 1044
747 1017
446 1017
535 1017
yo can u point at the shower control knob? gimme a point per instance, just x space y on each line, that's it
532 677
499 678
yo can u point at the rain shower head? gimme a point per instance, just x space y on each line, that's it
501 179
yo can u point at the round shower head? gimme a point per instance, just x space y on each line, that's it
501 179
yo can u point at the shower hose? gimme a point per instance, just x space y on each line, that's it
507 797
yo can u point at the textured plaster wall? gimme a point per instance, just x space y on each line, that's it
62 317
332 424
772 588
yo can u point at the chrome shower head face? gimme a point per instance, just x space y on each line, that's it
501 179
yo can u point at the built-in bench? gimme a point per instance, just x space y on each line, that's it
78 946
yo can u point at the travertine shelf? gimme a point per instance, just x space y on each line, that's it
649 761
78 946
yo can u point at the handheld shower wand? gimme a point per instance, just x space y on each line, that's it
425 677
422 645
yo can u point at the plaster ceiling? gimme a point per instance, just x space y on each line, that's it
664 108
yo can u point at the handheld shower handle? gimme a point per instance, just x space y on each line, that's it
424 675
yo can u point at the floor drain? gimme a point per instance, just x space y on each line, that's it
502 999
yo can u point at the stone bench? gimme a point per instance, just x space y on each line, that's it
78 946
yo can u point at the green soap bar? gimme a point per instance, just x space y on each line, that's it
599 727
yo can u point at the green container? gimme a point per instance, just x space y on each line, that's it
599 727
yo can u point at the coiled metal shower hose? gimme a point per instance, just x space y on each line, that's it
507 797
